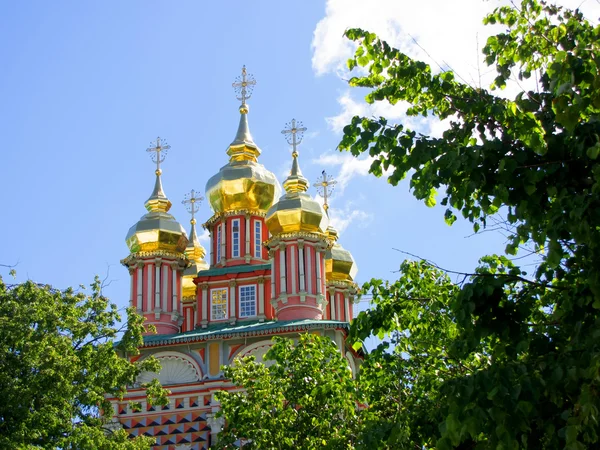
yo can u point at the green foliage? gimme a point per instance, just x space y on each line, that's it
306 399
58 361
513 360
408 376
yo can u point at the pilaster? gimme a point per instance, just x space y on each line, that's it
232 302
204 289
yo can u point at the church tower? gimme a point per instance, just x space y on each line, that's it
298 244
196 254
340 267
157 257
272 269
240 194
234 287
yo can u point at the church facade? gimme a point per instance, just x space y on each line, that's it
274 267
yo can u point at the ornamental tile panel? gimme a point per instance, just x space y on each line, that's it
171 430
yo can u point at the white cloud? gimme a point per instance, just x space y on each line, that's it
341 218
310 135
204 236
348 166
446 30
448 34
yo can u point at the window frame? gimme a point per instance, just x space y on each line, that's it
235 252
255 288
212 318
257 239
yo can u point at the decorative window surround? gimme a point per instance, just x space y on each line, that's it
218 304
247 296
257 239
235 238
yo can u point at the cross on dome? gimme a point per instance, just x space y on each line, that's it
192 203
294 131
158 152
325 185
244 85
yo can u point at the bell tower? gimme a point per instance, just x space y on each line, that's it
298 244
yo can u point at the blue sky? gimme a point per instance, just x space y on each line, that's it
86 86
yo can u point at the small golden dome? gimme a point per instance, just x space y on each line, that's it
339 263
296 210
243 183
195 253
157 230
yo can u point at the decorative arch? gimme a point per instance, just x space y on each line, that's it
176 368
258 350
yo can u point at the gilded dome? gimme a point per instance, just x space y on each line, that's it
195 253
157 230
296 210
243 183
339 263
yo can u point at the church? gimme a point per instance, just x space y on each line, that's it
274 268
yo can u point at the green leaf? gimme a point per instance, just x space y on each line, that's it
592 152
430 200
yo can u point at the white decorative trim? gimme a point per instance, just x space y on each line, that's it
174 292
282 274
332 302
165 288
150 288
258 350
309 289
139 293
293 268
157 286
176 368
318 271
301 266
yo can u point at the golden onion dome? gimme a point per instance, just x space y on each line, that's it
195 253
157 230
339 263
243 183
296 210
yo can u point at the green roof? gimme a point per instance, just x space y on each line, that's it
254 328
233 269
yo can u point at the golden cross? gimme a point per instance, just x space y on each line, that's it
244 85
192 203
325 185
294 132
158 152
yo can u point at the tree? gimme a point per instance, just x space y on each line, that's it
306 399
521 362
58 362
401 379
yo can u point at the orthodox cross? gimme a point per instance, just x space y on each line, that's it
325 185
158 152
244 85
192 203
294 131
